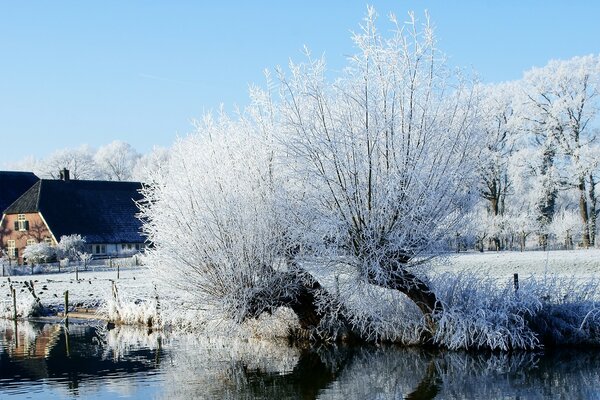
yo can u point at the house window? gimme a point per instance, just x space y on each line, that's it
99 248
21 224
48 241
30 242
12 249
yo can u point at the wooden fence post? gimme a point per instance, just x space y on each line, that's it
516 282
14 295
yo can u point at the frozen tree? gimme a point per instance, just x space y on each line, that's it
566 227
28 164
85 258
212 219
149 163
79 162
69 246
116 161
564 103
38 252
500 126
383 158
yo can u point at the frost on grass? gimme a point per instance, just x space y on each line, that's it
481 313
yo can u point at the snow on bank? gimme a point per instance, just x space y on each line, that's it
557 302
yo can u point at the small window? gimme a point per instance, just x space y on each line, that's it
21 224
48 241
30 242
99 249
12 250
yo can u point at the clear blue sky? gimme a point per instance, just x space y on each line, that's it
89 72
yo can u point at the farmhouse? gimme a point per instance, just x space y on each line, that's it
102 212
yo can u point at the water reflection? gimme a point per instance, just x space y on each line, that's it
150 365
36 353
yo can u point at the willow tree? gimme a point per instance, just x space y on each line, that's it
383 158
370 170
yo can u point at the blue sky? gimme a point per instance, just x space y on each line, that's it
85 72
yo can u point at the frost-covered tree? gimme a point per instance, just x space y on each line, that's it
211 216
563 98
38 252
116 161
566 228
69 246
149 163
500 125
383 158
79 162
372 171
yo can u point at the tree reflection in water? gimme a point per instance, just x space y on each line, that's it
188 366
245 370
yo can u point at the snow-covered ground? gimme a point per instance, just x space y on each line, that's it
567 263
90 291
95 287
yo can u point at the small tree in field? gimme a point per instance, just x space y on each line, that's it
85 258
70 246
38 253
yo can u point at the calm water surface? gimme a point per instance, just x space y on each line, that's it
41 361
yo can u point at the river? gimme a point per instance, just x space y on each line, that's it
45 360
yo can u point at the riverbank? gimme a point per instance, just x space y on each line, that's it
476 288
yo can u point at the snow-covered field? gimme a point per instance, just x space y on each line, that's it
565 263
92 289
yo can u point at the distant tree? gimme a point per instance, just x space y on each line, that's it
79 162
69 246
566 228
116 161
500 125
85 258
150 162
564 101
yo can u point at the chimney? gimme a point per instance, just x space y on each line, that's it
64 175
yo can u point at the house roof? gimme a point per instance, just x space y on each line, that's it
99 211
12 185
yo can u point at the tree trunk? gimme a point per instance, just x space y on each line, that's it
593 214
583 212
522 241
301 298
398 278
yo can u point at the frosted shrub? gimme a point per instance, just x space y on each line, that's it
478 313
570 313
481 313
